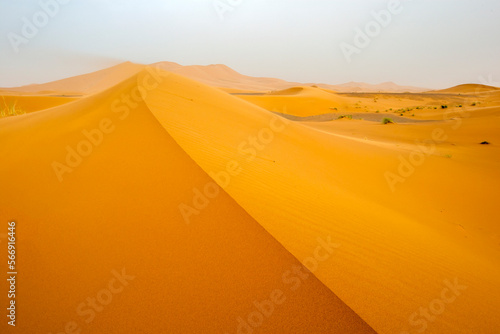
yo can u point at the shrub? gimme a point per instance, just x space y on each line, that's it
10 109
387 121
345 116
444 106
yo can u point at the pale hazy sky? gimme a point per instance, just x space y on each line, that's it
429 43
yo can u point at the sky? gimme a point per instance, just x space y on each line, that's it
424 43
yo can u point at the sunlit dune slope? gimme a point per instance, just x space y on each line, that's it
462 173
296 91
398 258
299 101
84 84
96 188
239 91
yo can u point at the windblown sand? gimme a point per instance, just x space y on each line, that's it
283 186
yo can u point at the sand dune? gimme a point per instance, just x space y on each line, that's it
400 250
118 209
225 77
299 101
468 88
382 87
116 203
84 84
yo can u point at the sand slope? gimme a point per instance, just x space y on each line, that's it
424 257
299 101
84 84
397 256
116 214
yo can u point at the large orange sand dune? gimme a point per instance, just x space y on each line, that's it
422 254
116 214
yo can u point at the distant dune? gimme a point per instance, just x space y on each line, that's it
468 88
223 76
299 101
388 87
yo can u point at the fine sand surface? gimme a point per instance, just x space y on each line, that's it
381 255
120 209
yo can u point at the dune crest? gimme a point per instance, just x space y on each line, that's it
118 235
208 205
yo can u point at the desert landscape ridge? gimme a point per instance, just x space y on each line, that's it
240 204
249 167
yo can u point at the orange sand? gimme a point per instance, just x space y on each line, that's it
288 187
119 208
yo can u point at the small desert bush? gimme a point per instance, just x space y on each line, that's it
10 109
387 121
345 116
